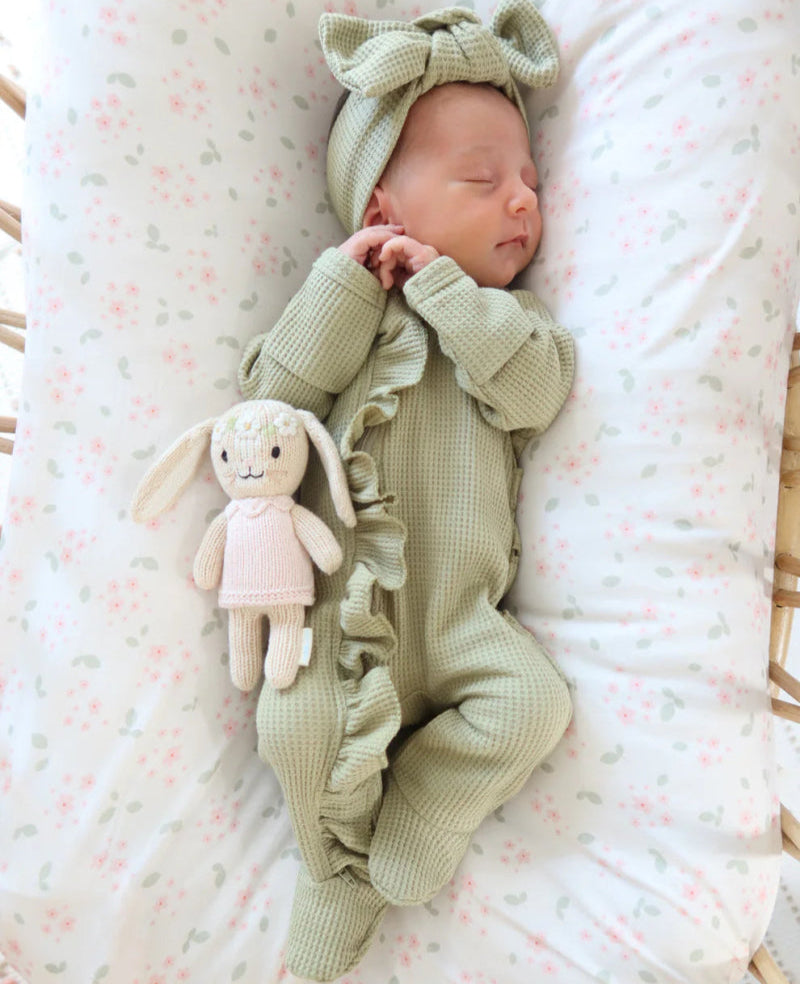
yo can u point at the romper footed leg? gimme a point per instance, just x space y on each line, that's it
332 925
507 707
326 737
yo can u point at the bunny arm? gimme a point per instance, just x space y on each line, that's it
208 560
319 541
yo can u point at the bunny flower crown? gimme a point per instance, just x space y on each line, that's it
253 420
388 65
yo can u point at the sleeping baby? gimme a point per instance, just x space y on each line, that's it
425 705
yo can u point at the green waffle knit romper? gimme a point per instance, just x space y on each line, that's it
430 393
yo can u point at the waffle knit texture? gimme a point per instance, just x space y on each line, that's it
432 394
345 912
388 65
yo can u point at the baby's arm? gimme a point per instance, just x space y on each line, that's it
509 353
321 340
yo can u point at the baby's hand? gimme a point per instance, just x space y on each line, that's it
365 245
400 258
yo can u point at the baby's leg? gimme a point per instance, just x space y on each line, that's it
507 707
326 736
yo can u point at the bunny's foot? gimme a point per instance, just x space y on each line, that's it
285 644
246 647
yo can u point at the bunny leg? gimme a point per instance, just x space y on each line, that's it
246 647
285 644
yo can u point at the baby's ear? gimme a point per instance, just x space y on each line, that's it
379 209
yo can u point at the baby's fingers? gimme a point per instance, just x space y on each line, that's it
362 243
384 268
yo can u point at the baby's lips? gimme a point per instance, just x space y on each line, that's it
520 240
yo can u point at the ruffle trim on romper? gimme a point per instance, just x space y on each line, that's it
372 709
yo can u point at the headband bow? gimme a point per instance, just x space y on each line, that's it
388 65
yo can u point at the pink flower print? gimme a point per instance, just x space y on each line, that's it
626 715
58 920
680 126
747 79
14 578
705 759
692 892
121 305
114 222
65 804
179 357
57 156
627 528
188 94
536 942
231 728
172 756
176 103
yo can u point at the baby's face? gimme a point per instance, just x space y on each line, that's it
463 181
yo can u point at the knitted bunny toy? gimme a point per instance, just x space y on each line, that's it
260 548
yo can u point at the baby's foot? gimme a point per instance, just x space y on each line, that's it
411 859
332 925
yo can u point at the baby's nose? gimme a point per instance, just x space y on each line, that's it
524 199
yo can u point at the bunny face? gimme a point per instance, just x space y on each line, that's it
259 448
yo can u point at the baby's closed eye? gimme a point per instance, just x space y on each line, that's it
487 179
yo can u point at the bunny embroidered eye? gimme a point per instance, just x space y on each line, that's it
224 455
276 451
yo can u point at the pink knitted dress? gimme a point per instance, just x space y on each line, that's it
265 563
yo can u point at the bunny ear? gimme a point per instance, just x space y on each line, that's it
170 475
332 464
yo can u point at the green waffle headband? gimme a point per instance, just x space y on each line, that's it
388 65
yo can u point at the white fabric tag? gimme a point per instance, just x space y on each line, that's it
305 656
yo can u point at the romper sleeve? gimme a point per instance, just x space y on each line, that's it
320 341
509 353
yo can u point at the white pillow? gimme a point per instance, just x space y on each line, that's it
175 201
